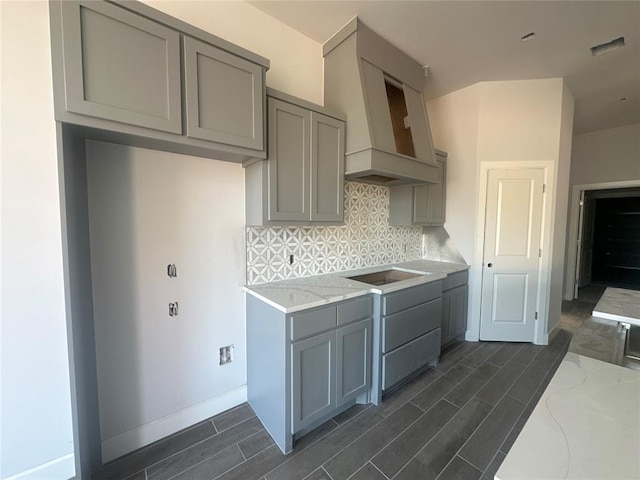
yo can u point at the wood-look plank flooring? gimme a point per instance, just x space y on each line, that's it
455 421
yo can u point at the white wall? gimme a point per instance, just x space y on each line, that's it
454 126
36 403
606 156
561 209
504 121
148 209
296 60
152 386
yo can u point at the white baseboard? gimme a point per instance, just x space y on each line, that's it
138 437
62 468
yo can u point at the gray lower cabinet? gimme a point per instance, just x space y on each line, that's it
455 306
302 180
304 368
423 204
406 335
120 68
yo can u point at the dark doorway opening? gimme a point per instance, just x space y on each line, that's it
611 239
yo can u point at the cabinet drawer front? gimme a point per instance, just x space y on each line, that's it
407 359
353 310
404 326
101 38
455 280
312 322
224 96
410 297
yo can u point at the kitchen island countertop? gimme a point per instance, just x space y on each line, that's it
585 426
298 294
620 305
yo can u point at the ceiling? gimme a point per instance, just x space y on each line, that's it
465 42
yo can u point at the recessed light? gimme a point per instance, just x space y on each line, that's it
607 46
528 36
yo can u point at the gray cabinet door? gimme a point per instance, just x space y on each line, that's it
121 66
288 152
437 195
447 317
353 346
327 168
454 313
421 205
459 310
429 201
313 367
224 96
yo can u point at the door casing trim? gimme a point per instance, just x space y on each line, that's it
572 239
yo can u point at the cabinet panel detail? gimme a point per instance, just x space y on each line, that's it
313 379
121 66
409 358
354 360
224 96
289 150
410 297
327 168
352 310
310 322
404 326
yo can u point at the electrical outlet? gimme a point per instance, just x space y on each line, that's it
226 354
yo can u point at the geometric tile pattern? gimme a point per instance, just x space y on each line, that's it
366 239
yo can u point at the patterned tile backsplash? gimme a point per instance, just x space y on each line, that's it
365 240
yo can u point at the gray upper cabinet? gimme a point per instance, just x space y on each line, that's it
224 96
121 66
303 179
139 77
423 205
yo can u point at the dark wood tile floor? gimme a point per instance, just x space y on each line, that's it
456 421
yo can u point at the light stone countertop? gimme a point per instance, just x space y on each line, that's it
585 426
620 305
298 294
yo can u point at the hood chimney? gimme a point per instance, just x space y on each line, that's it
380 89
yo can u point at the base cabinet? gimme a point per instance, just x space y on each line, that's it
406 335
306 367
454 307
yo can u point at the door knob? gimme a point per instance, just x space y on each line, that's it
489 265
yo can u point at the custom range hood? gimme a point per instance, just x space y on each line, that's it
380 89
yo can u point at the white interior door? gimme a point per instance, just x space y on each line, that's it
511 262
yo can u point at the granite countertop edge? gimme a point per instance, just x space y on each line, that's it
298 294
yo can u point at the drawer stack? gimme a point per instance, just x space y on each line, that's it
410 338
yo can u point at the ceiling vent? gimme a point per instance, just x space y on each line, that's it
608 46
